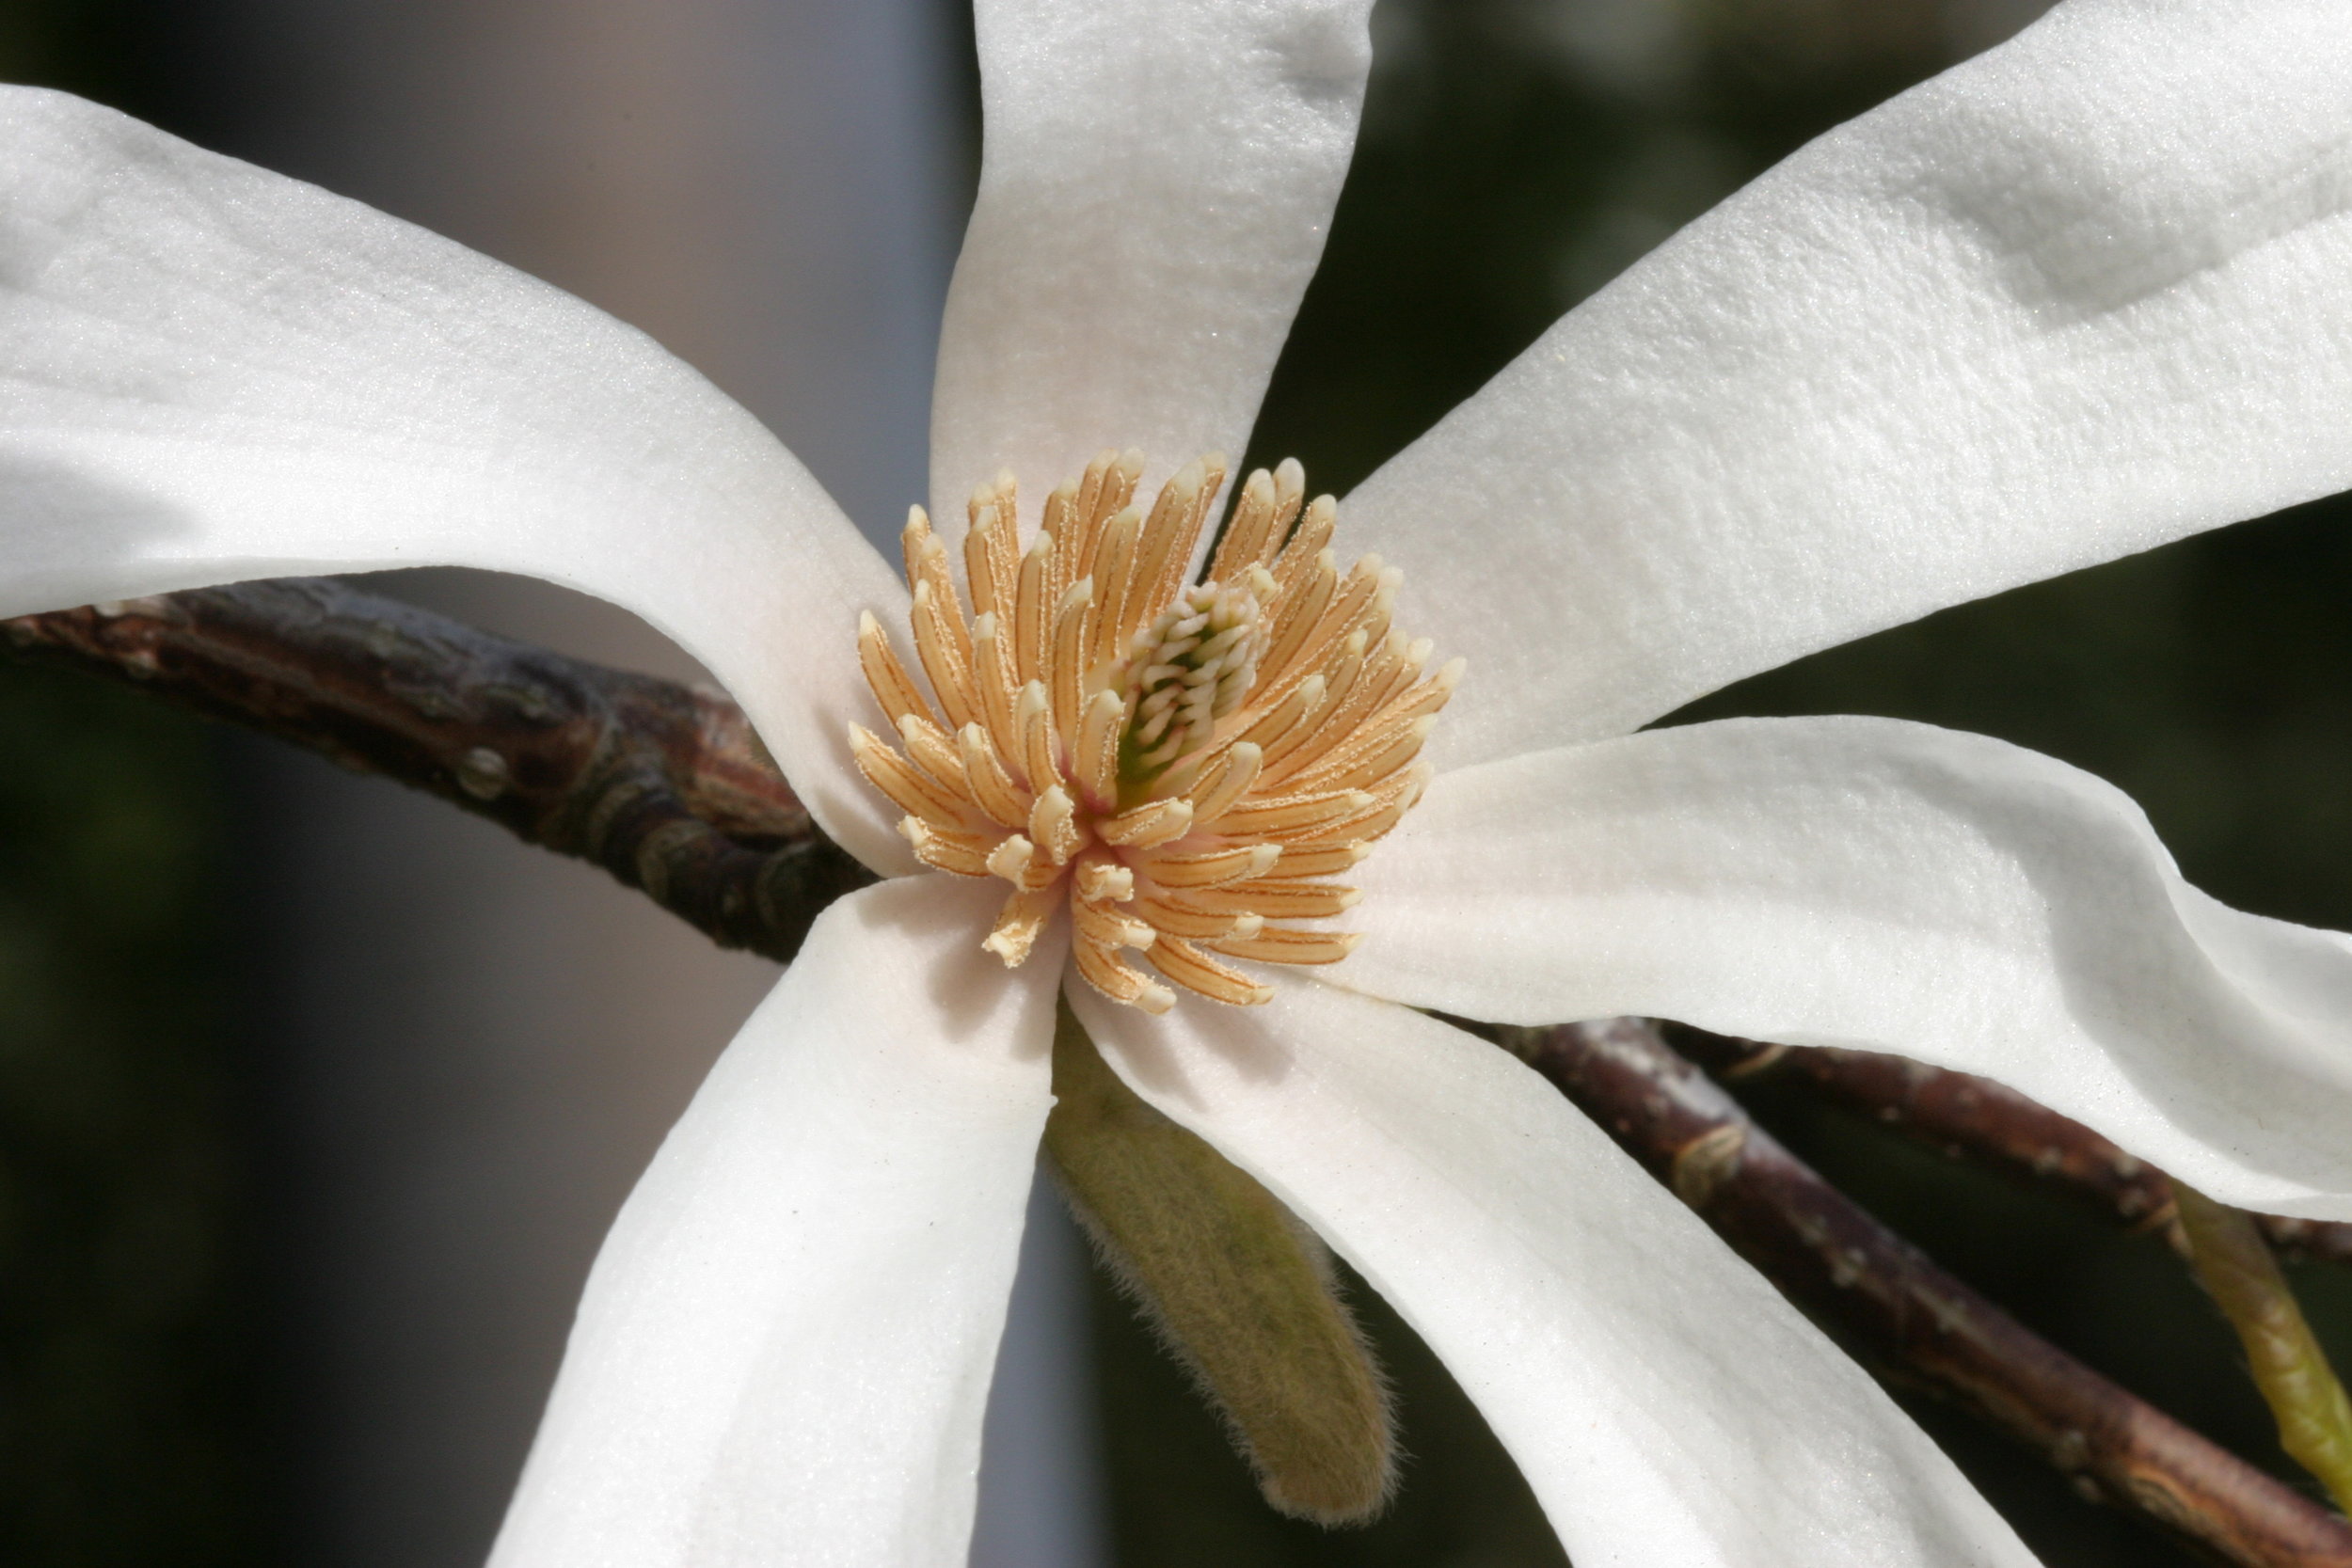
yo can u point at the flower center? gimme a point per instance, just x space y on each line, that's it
1186 767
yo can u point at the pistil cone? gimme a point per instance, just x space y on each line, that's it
1184 766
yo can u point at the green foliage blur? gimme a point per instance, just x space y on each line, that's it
1515 155
124 1434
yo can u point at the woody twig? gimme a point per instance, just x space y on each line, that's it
668 789
665 787
1891 1305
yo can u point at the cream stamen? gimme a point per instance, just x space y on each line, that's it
1180 767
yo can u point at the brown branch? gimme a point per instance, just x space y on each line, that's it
1976 1118
665 787
668 789
1898 1310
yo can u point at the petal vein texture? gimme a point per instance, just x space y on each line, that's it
2077 297
1155 187
1663 1400
216 373
786 1345
1888 886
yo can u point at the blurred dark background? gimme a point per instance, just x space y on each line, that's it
180 1265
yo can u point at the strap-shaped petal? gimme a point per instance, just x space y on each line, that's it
1665 1404
1155 186
1891 886
2077 296
209 373
786 1344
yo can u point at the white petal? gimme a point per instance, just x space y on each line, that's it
209 373
1155 187
2073 298
1889 886
785 1347
1667 1404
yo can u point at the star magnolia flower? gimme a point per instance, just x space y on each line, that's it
2078 297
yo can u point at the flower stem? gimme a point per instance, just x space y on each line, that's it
1239 1290
2234 1262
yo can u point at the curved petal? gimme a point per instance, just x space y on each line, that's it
1870 883
2071 299
1155 187
1667 1404
786 1344
209 372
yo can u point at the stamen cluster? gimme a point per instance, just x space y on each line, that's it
1191 666
1185 767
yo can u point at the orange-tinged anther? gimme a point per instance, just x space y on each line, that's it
1173 918
1149 825
1368 763
934 752
1010 859
1031 607
1318 860
885 674
984 774
1281 945
1054 823
1096 764
944 653
1194 970
1210 867
1033 717
993 676
1019 923
1066 676
908 787
964 854
1275 725
1180 767
1272 900
1099 921
1222 785
1289 816
1102 880
1118 979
